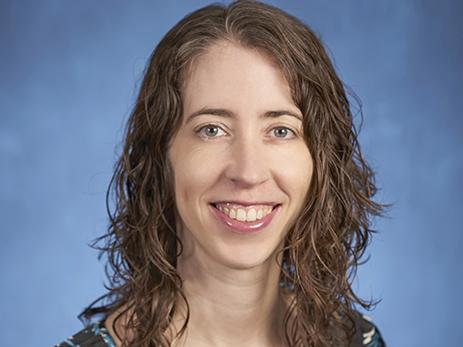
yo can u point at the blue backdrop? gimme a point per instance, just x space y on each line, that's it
69 72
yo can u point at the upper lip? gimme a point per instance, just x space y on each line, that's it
246 203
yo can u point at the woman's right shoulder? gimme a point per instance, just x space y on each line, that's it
94 335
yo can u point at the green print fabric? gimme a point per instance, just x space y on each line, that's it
96 335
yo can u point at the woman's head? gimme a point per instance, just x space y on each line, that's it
162 181
239 147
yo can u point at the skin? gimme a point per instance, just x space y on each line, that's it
231 280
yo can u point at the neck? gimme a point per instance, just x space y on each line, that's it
231 307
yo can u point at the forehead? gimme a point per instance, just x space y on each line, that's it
228 74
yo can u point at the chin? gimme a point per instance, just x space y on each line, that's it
243 257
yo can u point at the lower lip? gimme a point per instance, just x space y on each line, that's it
244 227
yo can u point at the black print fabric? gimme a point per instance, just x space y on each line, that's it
96 335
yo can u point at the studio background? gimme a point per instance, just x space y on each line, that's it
69 75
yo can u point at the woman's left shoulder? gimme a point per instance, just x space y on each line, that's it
367 333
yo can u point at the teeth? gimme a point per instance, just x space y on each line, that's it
251 216
243 215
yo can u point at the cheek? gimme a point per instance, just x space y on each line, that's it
195 170
294 166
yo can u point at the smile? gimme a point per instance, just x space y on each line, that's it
244 219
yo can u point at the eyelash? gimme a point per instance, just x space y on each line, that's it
199 130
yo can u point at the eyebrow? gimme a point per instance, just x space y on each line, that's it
229 114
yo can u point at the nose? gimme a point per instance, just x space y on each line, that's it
248 165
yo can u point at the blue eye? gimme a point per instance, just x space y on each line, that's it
209 130
213 131
281 132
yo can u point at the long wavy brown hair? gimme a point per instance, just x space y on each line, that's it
324 246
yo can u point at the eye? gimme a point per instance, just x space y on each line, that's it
282 132
209 130
213 131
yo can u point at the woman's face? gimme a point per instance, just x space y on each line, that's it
243 152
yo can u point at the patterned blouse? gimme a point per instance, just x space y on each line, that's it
96 335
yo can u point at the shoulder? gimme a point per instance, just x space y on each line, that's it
94 335
367 333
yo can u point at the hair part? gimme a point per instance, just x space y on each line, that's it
327 241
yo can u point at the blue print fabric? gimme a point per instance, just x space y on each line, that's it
96 335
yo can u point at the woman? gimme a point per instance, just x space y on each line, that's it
242 199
